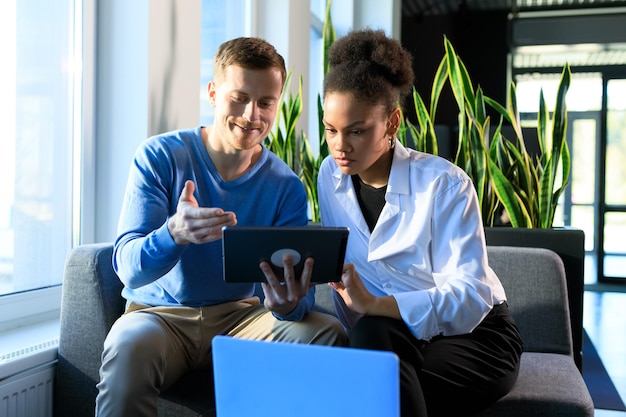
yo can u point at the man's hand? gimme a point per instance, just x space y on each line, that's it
193 224
283 298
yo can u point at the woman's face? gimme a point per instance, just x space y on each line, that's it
358 136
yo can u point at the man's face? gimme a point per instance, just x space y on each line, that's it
245 102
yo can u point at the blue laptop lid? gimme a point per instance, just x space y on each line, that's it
274 379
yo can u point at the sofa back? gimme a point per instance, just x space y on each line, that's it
536 290
533 278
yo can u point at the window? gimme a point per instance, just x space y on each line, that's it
221 21
38 82
318 12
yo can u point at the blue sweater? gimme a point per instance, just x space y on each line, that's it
157 271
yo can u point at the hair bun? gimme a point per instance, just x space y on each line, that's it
382 55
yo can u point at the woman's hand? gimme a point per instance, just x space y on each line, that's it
353 291
357 298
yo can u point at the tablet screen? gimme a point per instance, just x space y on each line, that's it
244 248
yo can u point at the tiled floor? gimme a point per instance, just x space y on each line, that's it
604 319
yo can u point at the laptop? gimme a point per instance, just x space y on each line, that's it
243 249
278 379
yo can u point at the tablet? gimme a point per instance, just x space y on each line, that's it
244 248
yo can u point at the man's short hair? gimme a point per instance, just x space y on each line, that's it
249 53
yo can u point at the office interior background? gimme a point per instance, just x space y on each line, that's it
84 81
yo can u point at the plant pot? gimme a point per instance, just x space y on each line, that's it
569 244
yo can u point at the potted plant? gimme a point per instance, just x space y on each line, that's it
507 178
514 188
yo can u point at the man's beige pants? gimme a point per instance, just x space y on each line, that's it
149 348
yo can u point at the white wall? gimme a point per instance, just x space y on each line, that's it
361 14
286 24
147 73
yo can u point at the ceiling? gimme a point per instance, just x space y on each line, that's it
412 8
606 54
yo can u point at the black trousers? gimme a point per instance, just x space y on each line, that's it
449 375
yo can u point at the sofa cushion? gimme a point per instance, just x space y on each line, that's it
544 387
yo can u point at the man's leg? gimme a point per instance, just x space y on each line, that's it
143 354
148 350
316 328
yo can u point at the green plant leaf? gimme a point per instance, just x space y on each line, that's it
425 138
517 213
466 82
439 82
455 76
328 37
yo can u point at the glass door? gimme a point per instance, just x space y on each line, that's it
579 200
611 241
595 200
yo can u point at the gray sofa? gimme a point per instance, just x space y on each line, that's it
549 383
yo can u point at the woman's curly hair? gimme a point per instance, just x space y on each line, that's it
371 66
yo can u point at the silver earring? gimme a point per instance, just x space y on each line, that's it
392 142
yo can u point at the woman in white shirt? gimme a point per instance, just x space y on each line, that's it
416 279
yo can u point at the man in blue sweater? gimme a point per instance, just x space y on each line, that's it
183 187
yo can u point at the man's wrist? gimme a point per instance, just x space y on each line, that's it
296 314
171 228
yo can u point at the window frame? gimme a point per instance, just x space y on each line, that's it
30 307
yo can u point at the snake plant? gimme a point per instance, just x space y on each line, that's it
507 178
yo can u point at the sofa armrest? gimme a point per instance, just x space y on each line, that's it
91 301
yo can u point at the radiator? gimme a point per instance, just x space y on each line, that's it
28 390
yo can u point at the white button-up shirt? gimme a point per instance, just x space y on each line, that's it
427 249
